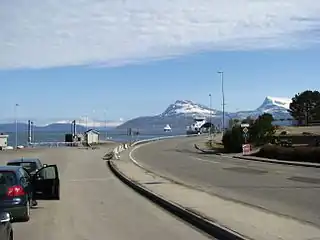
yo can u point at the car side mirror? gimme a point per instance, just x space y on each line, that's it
5 217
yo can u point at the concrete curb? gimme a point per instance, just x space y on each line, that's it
301 164
196 220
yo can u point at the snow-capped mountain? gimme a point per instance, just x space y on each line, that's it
187 107
276 106
271 103
181 113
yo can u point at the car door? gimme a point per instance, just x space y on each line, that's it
25 181
46 183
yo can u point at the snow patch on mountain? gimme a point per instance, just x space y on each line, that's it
276 102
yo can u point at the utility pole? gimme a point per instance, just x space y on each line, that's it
223 104
93 123
16 123
210 129
105 123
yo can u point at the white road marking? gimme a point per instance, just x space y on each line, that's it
90 179
203 160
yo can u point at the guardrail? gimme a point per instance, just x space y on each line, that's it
55 144
162 138
118 149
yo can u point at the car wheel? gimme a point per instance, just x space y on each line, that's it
26 215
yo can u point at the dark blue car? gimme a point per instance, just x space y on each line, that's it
18 188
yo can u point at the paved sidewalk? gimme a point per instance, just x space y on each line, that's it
248 221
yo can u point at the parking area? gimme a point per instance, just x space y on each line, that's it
94 204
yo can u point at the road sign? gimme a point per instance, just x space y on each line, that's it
245 130
245 125
246 149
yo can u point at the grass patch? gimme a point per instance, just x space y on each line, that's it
212 145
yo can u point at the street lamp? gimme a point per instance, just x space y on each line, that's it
210 98
93 114
16 122
105 123
86 119
222 89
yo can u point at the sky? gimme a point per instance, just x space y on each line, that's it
121 59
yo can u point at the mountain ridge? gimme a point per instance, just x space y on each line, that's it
181 113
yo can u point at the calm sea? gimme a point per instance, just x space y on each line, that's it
114 134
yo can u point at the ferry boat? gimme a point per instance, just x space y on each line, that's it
167 128
195 127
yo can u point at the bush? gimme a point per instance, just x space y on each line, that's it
233 139
300 154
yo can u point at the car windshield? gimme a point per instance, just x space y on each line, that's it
29 166
7 179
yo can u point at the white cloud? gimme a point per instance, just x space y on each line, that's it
50 33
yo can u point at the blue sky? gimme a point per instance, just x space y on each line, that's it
136 59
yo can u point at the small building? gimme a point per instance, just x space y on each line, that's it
91 136
3 141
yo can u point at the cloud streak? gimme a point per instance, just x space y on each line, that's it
53 33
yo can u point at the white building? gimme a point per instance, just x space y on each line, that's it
91 137
3 141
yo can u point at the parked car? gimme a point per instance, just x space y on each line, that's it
18 188
32 165
6 230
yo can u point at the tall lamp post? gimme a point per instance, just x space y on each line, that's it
93 114
105 123
16 122
223 104
210 118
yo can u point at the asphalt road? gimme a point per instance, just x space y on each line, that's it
94 204
287 190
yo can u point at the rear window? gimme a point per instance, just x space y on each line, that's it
7 178
29 166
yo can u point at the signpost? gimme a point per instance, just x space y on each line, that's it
246 148
245 131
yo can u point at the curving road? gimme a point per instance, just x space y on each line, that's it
94 204
288 190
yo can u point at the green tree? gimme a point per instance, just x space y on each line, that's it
305 107
262 130
233 139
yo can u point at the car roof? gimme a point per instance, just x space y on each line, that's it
9 168
24 160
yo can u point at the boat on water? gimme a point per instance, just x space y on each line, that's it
167 128
195 127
